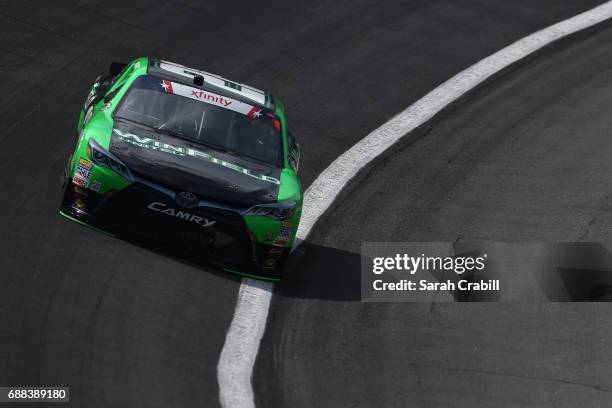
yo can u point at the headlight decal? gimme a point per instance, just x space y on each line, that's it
103 158
278 211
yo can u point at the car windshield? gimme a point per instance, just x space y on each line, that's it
204 117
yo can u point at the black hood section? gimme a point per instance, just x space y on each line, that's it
179 165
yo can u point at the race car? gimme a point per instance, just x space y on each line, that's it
188 159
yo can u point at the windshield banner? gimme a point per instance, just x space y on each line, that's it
211 98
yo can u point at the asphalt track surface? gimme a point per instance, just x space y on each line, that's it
524 158
126 326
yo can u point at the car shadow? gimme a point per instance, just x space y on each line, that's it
575 272
319 272
188 258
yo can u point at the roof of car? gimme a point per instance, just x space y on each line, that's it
186 75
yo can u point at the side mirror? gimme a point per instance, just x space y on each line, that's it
102 89
115 68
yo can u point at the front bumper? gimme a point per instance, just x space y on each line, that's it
202 234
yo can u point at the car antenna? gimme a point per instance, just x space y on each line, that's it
198 80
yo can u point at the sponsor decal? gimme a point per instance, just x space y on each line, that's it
214 98
180 214
246 91
83 170
281 241
210 98
285 232
96 186
149 143
85 163
79 181
288 223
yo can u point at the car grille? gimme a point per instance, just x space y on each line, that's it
227 238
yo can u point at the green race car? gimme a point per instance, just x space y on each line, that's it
189 159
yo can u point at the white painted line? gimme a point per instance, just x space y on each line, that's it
237 359
242 343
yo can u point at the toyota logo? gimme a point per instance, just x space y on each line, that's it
187 200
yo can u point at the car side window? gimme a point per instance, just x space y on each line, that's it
112 81
294 153
119 79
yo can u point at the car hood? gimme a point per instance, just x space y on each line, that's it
180 165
